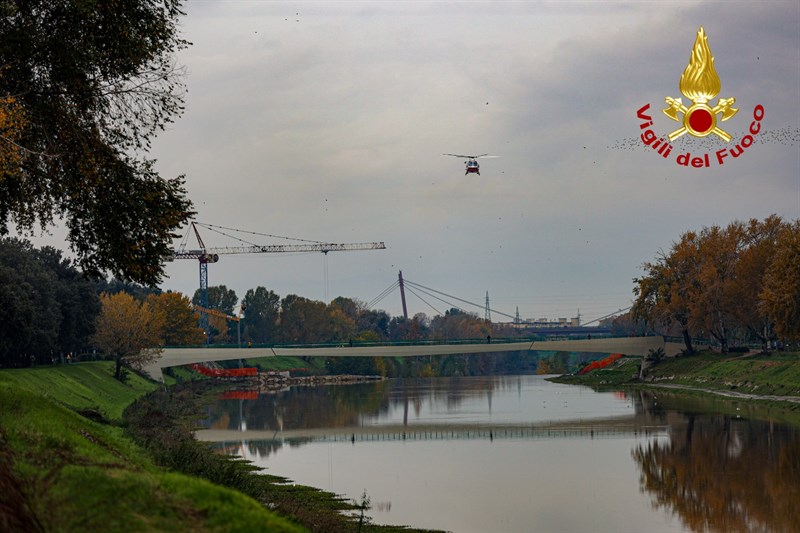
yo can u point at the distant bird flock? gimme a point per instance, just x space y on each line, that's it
786 136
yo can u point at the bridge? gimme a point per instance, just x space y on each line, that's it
570 429
625 345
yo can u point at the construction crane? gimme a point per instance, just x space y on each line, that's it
205 255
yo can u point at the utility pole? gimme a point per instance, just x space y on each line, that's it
487 314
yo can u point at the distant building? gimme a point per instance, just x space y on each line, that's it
547 323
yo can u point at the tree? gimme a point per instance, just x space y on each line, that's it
224 300
625 325
725 282
458 324
12 123
373 320
303 320
261 311
127 330
780 298
663 294
179 320
220 298
712 293
30 314
412 329
115 285
758 251
87 85
77 300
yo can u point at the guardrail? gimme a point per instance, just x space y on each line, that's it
423 342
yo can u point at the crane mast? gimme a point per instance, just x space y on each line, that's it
204 256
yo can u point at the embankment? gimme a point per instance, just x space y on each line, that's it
761 377
81 451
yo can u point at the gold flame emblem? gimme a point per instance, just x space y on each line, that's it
700 84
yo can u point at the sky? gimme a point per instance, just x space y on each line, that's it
327 121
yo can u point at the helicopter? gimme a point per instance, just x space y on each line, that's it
472 166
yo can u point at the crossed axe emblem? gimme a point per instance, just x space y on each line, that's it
705 122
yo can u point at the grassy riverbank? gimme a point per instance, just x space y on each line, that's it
66 464
774 377
81 451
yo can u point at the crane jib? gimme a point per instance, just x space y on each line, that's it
211 255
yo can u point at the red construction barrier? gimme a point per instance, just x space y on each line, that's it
600 363
225 372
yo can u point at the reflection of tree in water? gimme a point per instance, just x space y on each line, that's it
722 474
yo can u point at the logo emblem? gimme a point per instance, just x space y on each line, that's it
700 84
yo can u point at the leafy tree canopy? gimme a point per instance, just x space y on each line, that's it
178 318
128 331
84 87
737 283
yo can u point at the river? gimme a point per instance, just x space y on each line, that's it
519 453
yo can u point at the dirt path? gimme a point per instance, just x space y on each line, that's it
729 394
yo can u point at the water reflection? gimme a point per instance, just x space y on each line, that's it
516 454
722 473
472 407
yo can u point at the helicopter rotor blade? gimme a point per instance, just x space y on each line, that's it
484 156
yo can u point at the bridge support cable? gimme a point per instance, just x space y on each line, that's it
480 306
386 292
425 301
430 294
609 315
440 296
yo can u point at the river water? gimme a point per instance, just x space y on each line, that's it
519 453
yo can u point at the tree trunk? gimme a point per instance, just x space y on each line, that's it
118 369
687 341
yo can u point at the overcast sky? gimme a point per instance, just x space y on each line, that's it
328 120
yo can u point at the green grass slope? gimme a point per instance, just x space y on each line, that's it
81 386
61 471
758 375
768 375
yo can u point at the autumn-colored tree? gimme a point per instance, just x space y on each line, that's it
663 294
341 327
179 319
716 281
557 363
754 257
712 297
780 297
458 324
12 123
128 331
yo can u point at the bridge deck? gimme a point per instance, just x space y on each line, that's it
625 345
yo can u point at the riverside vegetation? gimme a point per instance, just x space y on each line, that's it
772 378
80 450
